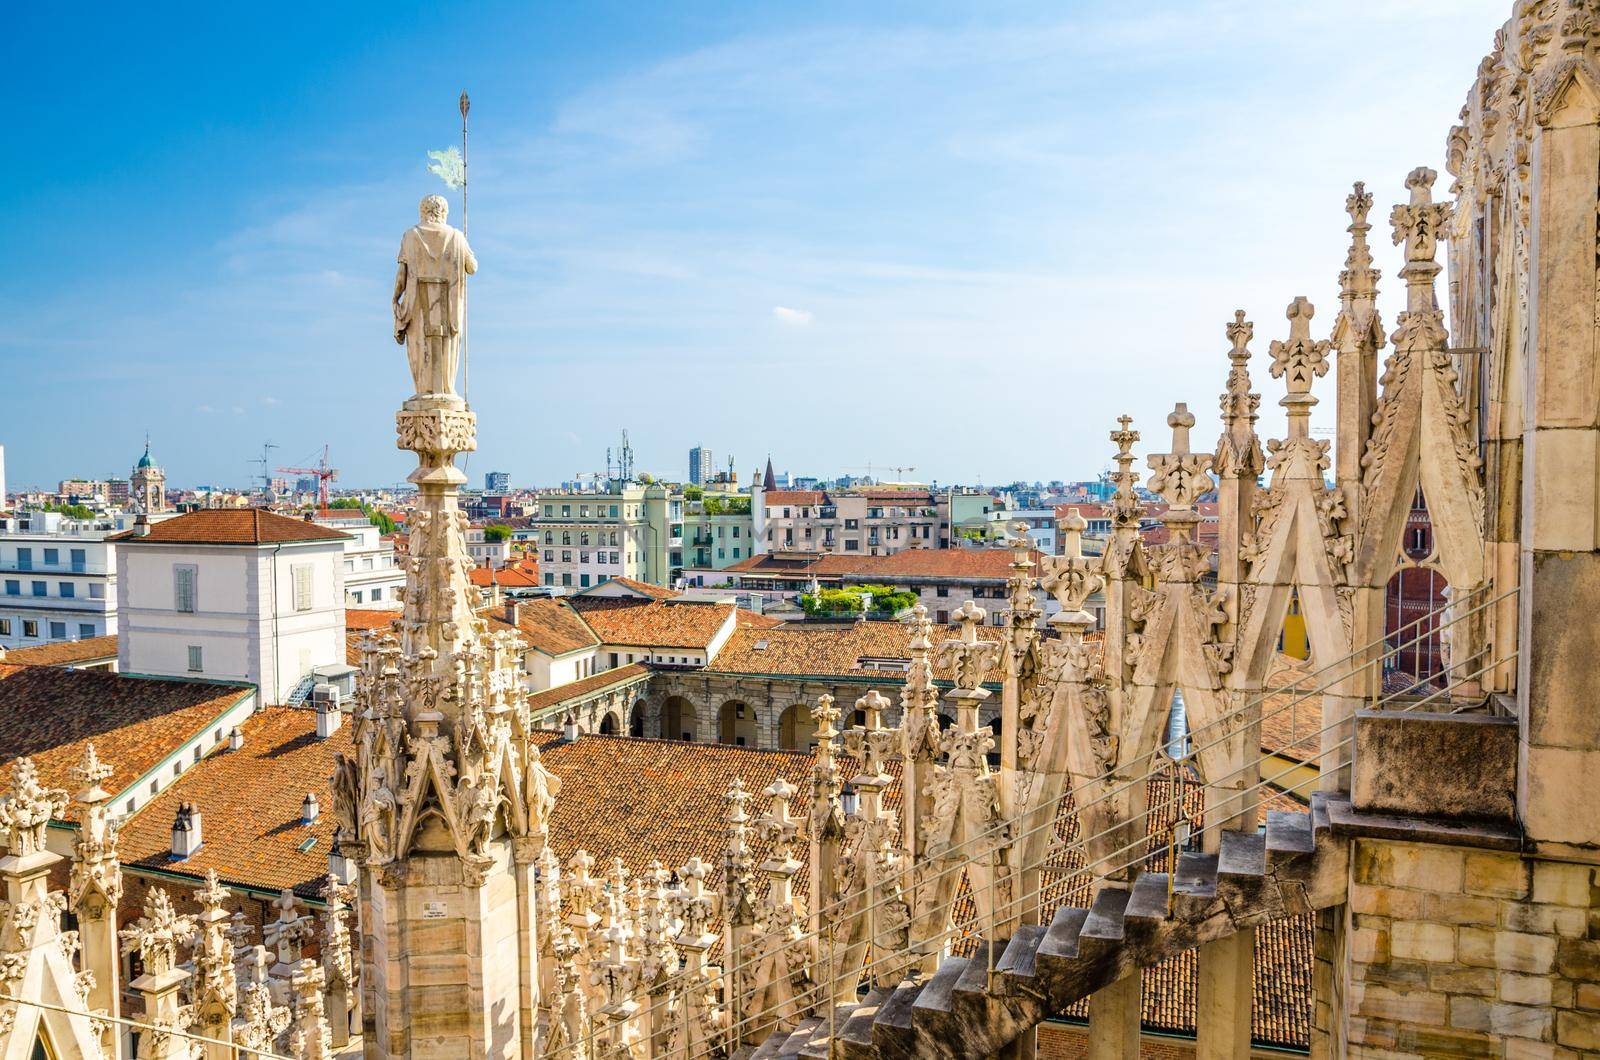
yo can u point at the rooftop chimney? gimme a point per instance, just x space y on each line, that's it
569 729
186 836
339 866
235 739
141 525
309 808
325 698
514 612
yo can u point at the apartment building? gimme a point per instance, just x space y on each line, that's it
373 576
718 531
861 522
58 577
626 530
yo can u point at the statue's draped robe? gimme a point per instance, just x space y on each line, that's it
429 294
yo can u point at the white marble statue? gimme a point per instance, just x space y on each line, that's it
429 297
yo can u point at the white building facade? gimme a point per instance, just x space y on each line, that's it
58 578
372 576
238 595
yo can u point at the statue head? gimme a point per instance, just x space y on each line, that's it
434 209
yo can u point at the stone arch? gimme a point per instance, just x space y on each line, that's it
610 724
736 723
678 720
636 718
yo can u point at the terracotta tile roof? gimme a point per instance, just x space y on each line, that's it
791 497
512 577
751 620
992 564
821 650
548 626
656 624
541 702
231 526
65 653
357 618
1291 719
49 713
654 592
249 802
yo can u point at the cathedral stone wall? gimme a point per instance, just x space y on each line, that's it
1455 951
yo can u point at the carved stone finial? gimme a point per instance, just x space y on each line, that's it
90 774
825 714
1418 224
1359 279
1073 524
26 813
1126 508
1299 360
1180 477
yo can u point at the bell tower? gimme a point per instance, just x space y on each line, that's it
148 483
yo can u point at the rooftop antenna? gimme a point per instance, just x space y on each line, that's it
265 460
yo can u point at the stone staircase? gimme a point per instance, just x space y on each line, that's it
964 1011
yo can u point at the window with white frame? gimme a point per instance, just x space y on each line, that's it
196 659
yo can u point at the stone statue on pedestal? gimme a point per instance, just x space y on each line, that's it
430 296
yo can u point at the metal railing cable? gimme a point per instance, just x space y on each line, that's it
236 1048
1000 831
855 972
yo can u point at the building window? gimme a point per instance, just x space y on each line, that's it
97 591
80 559
549 579
583 580
195 659
68 590
183 589
300 574
5 627
377 594
357 595
58 631
52 557
40 589
30 628
24 559
13 587
85 630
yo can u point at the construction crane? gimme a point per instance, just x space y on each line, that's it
264 460
900 472
322 471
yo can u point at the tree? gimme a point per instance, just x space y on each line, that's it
496 532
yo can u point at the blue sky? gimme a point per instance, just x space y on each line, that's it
960 237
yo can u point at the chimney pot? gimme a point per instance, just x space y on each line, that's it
186 833
235 739
514 612
309 808
569 729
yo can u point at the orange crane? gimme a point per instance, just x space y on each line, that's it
324 473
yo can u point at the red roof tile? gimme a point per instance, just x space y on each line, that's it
230 526
49 713
65 652
656 624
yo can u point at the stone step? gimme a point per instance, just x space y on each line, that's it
821 1042
797 1039
855 1034
1105 926
1060 940
768 1049
1147 906
1289 838
1017 964
933 1014
1321 822
1242 854
892 1032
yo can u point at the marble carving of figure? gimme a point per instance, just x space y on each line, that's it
429 297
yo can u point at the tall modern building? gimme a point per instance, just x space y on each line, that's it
496 481
700 469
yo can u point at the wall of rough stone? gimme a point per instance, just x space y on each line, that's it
1454 951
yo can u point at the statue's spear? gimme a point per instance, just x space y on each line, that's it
466 377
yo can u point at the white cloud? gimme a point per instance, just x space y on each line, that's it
270 401
795 318
204 410
238 410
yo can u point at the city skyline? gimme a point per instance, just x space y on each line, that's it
696 204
